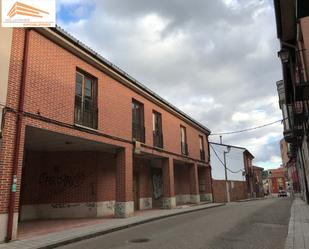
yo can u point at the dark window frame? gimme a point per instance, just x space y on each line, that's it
138 128
202 150
85 108
157 133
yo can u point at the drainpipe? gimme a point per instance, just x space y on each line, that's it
17 138
211 182
212 188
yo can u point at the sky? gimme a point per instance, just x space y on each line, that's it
214 60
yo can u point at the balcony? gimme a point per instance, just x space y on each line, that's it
184 148
86 113
288 135
202 155
302 91
157 139
281 92
138 132
298 112
292 150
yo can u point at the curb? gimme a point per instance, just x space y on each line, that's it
252 199
96 234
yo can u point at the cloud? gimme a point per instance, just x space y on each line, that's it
215 60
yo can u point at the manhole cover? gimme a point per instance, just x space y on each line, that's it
139 240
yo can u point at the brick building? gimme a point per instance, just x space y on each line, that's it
249 173
292 19
258 181
289 163
81 138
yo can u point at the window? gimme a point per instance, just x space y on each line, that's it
202 151
157 129
86 111
183 139
138 129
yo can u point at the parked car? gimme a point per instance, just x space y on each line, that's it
282 193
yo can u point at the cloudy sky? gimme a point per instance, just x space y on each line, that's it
215 60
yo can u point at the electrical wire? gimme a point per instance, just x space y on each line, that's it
248 129
234 172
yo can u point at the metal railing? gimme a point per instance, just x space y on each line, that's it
157 139
184 148
138 132
202 155
86 113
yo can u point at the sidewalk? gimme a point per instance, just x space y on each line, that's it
54 239
298 235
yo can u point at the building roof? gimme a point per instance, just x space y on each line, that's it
258 168
233 146
116 69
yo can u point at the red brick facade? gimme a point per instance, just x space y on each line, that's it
238 190
103 164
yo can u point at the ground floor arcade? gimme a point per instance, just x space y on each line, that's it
64 175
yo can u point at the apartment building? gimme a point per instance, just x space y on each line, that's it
82 138
292 19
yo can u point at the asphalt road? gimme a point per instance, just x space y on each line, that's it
260 224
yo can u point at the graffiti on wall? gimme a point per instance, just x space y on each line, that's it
58 181
157 182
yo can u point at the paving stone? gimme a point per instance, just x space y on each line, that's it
53 238
298 234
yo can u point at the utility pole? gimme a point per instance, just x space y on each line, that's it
225 171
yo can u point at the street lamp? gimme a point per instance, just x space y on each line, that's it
284 55
225 170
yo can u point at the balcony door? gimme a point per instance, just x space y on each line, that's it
86 111
157 129
183 139
138 129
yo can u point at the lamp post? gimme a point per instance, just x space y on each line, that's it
225 171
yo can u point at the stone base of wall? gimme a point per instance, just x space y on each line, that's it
206 197
4 223
105 208
67 210
124 209
182 199
169 202
195 198
145 203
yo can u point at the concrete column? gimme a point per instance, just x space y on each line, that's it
169 200
194 185
124 205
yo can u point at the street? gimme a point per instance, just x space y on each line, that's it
254 224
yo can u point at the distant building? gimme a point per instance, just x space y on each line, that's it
276 180
258 181
289 163
240 173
